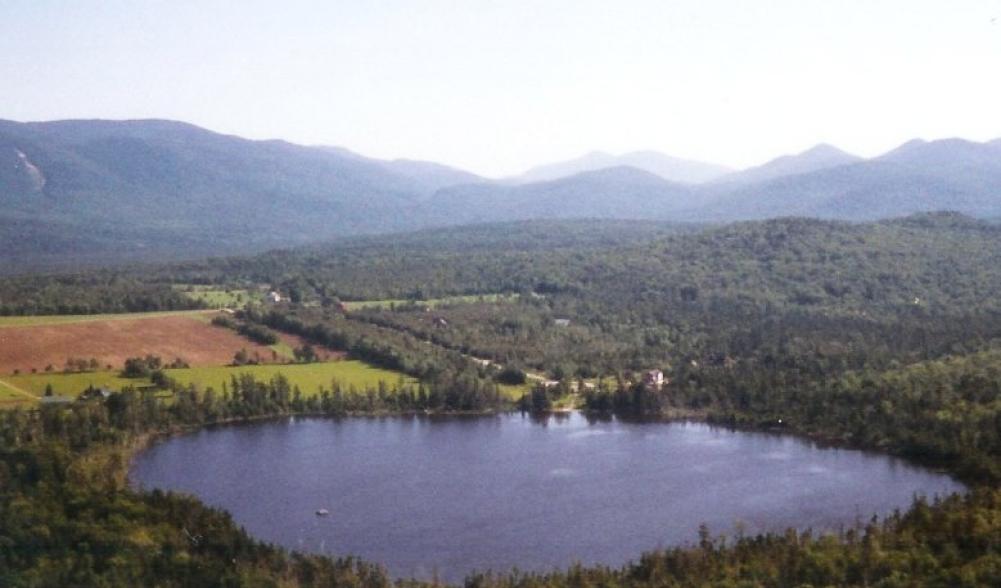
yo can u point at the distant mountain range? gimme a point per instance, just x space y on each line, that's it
669 168
99 191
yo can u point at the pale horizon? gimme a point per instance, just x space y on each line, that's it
498 89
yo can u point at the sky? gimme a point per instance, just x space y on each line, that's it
499 86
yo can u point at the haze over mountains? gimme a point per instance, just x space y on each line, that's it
115 190
670 168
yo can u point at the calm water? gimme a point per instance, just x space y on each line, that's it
449 495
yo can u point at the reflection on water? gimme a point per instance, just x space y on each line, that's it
452 494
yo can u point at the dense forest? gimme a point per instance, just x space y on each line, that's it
87 293
882 335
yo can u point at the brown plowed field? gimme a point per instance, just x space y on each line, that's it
111 342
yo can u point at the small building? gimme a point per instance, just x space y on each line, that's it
561 322
274 297
653 379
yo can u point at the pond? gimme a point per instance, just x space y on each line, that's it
442 496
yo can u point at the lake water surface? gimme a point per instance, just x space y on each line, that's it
447 495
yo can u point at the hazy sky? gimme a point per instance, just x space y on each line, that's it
497 86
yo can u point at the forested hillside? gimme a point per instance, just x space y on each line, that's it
139 190
947 262
102 192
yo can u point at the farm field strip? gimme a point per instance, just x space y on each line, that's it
62 319
308 377
40 347
62 384
220 297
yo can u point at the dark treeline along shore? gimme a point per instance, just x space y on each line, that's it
882 335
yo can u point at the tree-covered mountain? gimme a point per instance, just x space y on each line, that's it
76 192
822 182
172 188
426 176
917 177
612 193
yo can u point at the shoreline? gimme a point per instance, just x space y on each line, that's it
145 441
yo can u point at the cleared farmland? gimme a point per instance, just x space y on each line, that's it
221 297
70 384
308 377
34 343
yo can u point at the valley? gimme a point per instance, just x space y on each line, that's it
880 336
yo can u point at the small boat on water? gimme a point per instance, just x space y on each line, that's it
322 512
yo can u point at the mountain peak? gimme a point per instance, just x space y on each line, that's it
673 169
825 149
819 157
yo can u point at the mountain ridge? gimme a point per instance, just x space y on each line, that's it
818 157
142 189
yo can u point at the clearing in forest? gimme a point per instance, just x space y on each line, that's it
218 297
310 377
34 343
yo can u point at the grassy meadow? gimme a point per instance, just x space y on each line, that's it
18 390
70 384
215 297
310 377
12 397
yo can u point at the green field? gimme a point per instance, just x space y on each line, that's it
32 321
309 377
11 397
71 384
359 304
215 297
